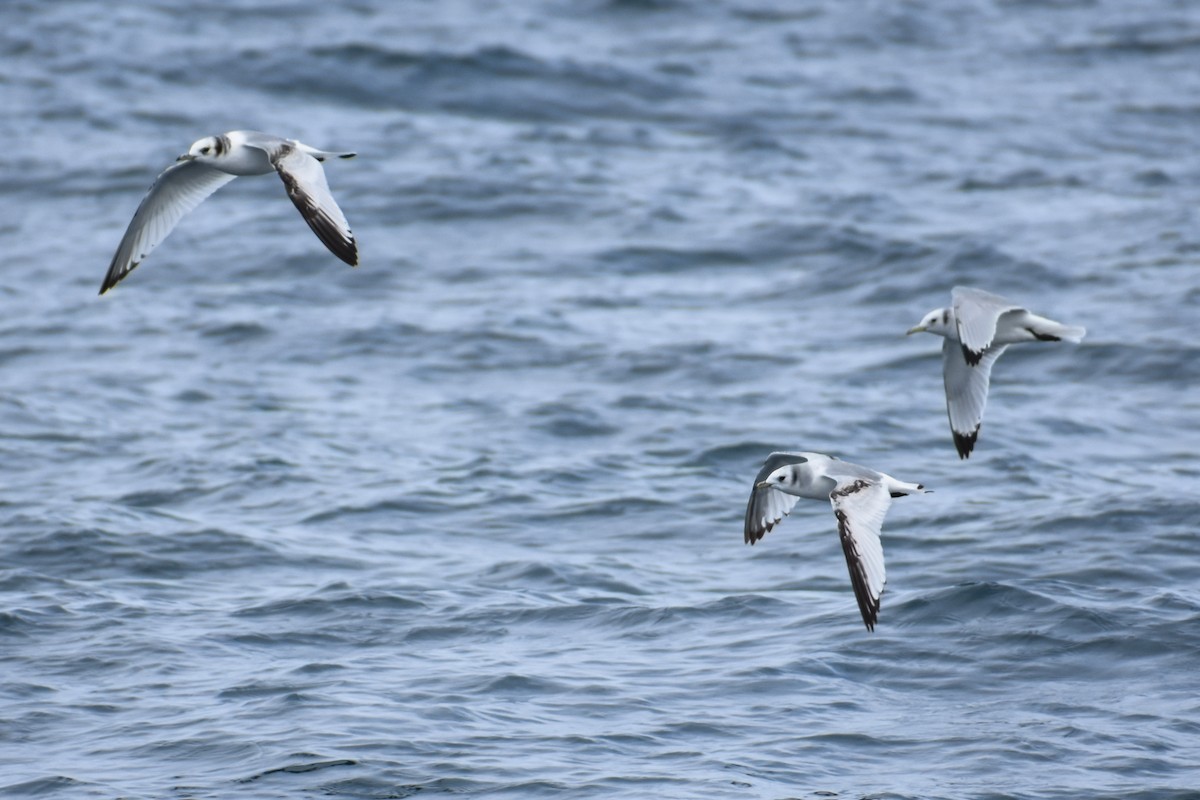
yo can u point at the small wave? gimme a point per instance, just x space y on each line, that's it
236 332
491 81
1149 39
335 602
567 421
1168 362
423 507
1021 179
92 552
542 576
975 601
299 767
54 786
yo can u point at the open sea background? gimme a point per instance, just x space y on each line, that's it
466 520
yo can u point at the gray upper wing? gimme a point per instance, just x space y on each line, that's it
976 313
304 178
180 188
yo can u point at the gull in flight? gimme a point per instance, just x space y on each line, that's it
213 162
860 499
977 327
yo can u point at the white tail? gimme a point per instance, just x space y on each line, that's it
321 155
900 488
1048 330
1071 333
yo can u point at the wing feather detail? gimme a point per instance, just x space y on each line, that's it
966 392
977 314
860 507
177 190
768 506
304 178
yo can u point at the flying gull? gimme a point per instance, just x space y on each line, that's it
977 327
860 499
213 162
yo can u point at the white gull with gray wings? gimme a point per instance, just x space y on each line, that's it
977 327
860 498
213 162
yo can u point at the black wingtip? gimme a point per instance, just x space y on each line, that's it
113 276
752 535
871 614
965 443
345 249
973 357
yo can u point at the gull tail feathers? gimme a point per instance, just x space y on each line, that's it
1047 330
1071 333
321 155
900 488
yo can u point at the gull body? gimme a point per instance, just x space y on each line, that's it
860 498
212 162
977 328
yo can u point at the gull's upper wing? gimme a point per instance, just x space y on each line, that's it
180 188
768 506
860 506
966 392
305 181
976 313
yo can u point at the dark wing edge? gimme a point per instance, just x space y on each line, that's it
339 242
752 531
973 357
867 605
981 301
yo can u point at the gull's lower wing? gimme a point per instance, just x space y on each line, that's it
860 506
180 188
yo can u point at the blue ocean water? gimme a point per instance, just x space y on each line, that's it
467 519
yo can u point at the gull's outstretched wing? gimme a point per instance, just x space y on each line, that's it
304 178
768 506
966 392
977 313
180 188
860 506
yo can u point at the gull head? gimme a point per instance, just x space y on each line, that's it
940 321
781 479
204 149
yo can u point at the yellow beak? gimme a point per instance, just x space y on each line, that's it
917 329
762 485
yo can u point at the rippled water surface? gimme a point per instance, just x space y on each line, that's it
467 519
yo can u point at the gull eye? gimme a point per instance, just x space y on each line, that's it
204 150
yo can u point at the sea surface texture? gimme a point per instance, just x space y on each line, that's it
467 520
